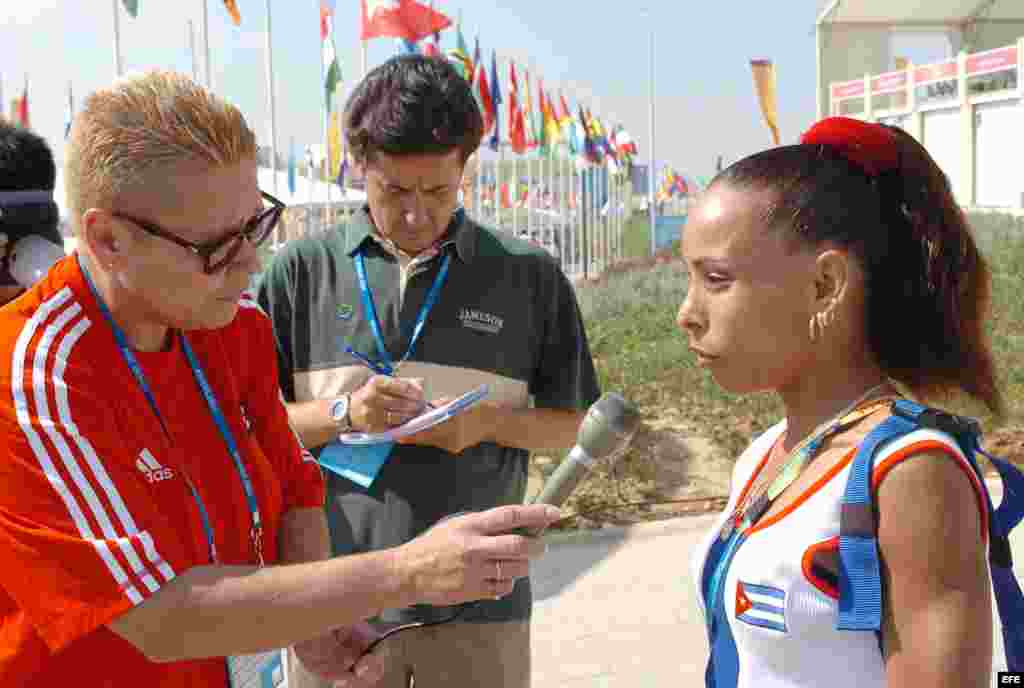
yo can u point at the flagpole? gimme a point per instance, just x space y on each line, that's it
563 208
324 109
192 50
206 46
651 211
270 99
117 40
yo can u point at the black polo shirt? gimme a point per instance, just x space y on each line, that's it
506 315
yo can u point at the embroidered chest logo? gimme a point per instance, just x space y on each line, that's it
480 321
761 605
151 468
245 417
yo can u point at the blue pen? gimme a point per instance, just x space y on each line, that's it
376 367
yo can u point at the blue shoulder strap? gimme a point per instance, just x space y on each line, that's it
860 578
860 594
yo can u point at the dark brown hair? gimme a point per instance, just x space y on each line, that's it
26 164
412 104
928 287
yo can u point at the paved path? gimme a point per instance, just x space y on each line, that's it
616 607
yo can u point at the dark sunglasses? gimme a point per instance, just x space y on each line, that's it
220 252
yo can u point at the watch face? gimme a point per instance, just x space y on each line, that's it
339 409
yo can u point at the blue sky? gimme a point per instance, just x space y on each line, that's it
705 99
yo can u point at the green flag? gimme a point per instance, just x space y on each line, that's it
131 7
333 72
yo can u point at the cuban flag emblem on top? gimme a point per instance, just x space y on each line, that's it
761 605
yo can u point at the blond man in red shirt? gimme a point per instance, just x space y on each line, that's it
157 513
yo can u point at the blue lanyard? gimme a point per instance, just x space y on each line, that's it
386 363
256 532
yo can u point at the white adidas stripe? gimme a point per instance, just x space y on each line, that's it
97 467
53 432
21 410
149 460
52 429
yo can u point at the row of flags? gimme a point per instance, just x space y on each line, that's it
132 8
551 129
672 185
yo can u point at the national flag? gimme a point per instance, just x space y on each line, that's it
531 130
568 128
408 19
591 154
131 7
20 108
541 129
460 54
496 101
625 142
483 90
69 113
291 167
232 7
516 125
342 170
552 132
602 138
334 146
326 18
761 605
332 69
764 82
476 58
437 33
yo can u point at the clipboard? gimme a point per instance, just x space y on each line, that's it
421 422
359 456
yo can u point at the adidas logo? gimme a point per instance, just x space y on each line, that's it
151 468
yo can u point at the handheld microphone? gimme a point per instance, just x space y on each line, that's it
606 430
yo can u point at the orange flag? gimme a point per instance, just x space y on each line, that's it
764 81
232 8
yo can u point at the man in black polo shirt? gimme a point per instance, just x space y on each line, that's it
456 305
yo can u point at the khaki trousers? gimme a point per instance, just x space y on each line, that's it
456 655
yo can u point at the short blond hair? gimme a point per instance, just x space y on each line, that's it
146 122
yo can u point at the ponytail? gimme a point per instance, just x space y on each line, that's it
875 191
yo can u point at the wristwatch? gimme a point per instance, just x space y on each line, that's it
339 410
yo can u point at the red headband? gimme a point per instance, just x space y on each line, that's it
871 147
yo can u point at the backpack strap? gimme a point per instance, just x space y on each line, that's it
860 577
1009 598
860 593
